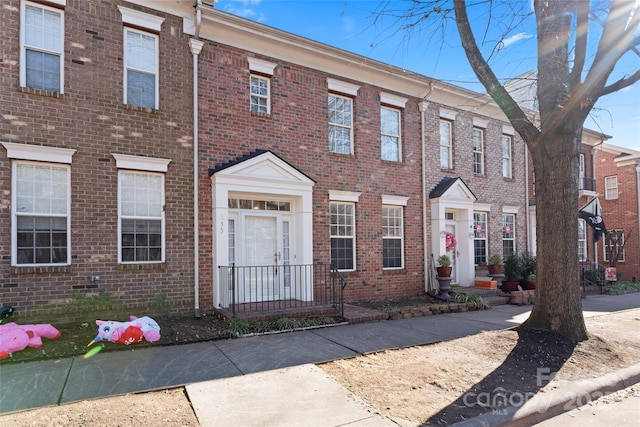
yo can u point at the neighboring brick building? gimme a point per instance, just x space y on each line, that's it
305 154
618 180
75 151
587 191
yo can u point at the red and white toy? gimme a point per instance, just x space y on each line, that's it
131 332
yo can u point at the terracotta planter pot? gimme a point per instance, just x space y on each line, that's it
529 286
444 271
495 268
510 286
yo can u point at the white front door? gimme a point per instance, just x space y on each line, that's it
260 253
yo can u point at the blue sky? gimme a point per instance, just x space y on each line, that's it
356 26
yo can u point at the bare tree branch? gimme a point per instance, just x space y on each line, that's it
582 33
486 76
620 84
613 45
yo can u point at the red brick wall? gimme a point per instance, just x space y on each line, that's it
297 131
620 213
90 117
491 188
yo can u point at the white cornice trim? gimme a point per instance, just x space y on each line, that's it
151 164
342 87
38 153
448 114
141 19
395 100
261 66
394 200
344 196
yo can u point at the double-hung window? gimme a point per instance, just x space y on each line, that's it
42 47
478 152
390 134
343 242
508 235
479 237
141 68
393 232
141 200
613 244
261 72
340 124
582 240
260 95
141 58
446 146
40 205
610 187
507 157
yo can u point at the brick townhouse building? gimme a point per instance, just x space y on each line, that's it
96 168
293 155
618 177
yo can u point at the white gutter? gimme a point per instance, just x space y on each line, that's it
427 269
196 47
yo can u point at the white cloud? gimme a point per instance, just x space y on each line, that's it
515 38
243 8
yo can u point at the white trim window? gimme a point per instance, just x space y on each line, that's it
141 201
478 151
141 68
390 134
507 157
41 47
340 110
343 235
611 187
141 217
392 237
446 145
607 244
40 204
508 235
479 237
40 207
260 101
582 240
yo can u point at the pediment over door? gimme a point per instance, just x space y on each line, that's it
453 189
263 166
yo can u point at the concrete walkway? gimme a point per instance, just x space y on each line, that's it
217 372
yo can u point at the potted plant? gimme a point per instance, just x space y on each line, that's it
530 282
444 269
495 264
512 273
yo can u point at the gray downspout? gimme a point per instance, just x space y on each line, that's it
196 47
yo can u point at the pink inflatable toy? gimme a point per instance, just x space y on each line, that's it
14 337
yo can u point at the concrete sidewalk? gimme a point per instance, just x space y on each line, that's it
38 384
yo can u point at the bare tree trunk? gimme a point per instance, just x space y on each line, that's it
558 304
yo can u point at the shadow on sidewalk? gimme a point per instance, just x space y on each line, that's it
530 365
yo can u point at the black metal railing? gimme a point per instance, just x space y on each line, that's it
586 184
279 287
591 274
